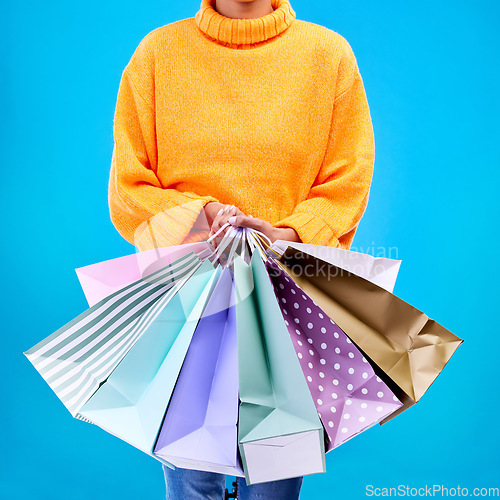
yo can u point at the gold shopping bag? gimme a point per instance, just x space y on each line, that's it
407 349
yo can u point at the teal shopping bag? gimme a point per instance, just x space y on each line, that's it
132 402
279 433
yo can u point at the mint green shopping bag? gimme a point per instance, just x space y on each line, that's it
279 431
132 402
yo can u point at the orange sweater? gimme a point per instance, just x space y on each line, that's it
268 114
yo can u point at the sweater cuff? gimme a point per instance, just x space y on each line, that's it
185 223
311 229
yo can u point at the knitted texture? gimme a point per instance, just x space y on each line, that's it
268 114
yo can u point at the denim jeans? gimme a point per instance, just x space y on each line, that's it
187 484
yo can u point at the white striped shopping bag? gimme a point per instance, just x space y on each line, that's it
76 359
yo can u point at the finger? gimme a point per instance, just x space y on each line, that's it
216 215
225 219
218 223
233 211
246 221
222 218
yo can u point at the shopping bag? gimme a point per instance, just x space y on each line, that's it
120 365
408 347
132 401
199 430
78 357
103 278
279 431
348 395
379 270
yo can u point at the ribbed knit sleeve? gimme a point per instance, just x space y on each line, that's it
339 195
142 210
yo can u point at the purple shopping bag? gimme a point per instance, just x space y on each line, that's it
349 396
199 429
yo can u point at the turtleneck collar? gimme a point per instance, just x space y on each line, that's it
244 32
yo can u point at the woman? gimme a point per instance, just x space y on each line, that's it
244 114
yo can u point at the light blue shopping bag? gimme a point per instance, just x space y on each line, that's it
132 402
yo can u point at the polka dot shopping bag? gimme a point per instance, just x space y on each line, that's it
406 348
349 396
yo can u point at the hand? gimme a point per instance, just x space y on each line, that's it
273 233
211 209
217 215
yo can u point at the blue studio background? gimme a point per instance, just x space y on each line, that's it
432 85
